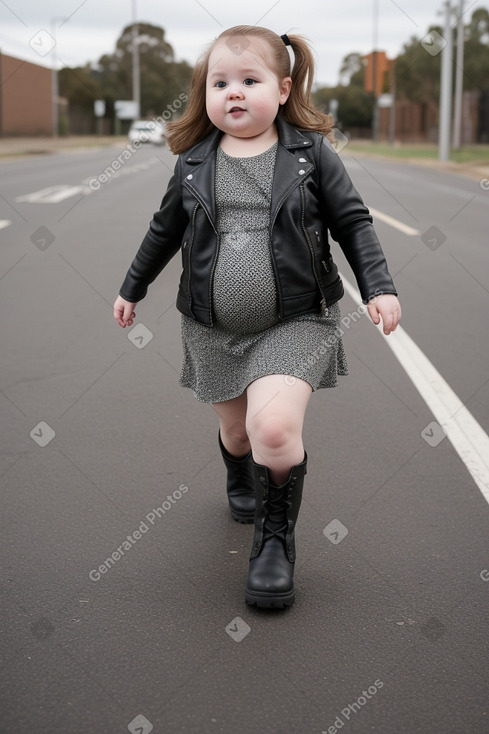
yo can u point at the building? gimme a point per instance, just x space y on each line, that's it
25 98
417 122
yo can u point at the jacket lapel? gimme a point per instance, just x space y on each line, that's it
290 168
200 173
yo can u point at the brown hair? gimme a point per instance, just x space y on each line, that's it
194 124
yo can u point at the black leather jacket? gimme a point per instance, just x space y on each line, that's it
311 193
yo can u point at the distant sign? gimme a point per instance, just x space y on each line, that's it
99 108
385 100
126 109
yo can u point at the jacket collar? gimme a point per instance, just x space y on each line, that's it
288 136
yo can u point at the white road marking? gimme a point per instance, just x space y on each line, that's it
60 192
466 435
5 223
404 228
53 194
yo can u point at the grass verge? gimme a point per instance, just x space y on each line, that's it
477 154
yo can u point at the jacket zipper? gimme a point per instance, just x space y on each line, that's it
311 248
211 279
190 244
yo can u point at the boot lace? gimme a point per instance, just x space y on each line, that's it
276 509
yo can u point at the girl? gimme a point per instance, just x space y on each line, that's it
256 186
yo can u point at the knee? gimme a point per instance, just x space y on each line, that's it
272 432
236 435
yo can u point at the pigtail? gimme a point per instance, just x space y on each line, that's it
299 109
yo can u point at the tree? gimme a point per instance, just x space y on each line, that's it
355 105
478 28
351 65
79 86
81 89
162 78
476 51
418 72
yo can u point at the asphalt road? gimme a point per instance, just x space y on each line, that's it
102 453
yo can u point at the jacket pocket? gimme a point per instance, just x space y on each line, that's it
325 267
323 262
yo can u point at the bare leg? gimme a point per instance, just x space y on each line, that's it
232 425
274 421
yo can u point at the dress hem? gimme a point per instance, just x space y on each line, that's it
262 374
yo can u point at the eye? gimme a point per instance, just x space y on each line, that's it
220 85
249 82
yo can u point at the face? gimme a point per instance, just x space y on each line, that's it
243 94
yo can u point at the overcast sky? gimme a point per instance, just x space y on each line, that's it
87 29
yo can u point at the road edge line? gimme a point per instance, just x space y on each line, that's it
466 435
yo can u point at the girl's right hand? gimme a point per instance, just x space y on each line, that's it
124 312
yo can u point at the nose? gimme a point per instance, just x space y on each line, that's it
234 92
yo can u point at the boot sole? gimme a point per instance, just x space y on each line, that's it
269 600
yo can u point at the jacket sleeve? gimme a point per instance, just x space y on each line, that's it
161 242
350 224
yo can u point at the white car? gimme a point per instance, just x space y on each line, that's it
147 131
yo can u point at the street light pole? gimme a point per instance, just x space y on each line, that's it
446 90
376 119
136 84
459 79
54 75
392 111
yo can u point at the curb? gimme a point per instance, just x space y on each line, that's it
21 147
476 172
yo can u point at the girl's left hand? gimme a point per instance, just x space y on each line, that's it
386 307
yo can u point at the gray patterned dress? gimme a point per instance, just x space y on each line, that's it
247 340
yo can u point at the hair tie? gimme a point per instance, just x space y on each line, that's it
290 50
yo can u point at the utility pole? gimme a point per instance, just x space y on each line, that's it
446 89
392 111
136 84
54 91
459 79
376 119
54 78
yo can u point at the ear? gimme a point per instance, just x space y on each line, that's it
285 86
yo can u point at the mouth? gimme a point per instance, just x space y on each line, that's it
236 109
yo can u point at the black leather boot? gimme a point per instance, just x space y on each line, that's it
240 486
270 578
